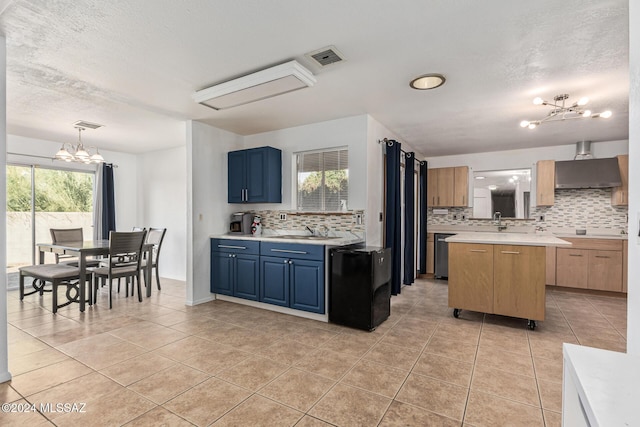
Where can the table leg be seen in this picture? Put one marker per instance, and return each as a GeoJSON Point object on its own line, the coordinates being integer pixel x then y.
{"type": "Point", "coordinates": [81, 281]}
{"type": "Point", "coordinates": [147, 280]}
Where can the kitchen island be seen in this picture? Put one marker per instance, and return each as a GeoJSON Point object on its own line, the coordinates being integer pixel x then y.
{"type": "Point", "coordinates": [499, 273]}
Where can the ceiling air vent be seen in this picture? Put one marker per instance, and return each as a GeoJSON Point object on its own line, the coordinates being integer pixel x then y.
{"type": "Point", "coordinates": [87, 125]}
{"type": "Point", "coordinates": [326, 56]}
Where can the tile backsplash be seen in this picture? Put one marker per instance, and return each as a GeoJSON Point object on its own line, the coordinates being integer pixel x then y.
{"type": "Point", "coordinates": [575, 208]}
{"type": "Point", "coordinates": [339, 221]}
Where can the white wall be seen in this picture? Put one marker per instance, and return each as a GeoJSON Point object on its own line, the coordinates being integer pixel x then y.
{"type": "Point", "coordinates": [37, 151]}
{"type": "Point", "coordinates": [633, 302]}
{"type": "Point", "coordinates": [207, 209]}
{"type": "Point", "coordinates": [162, 203]}
{"type": "Point", "coordinates": [348, 132]}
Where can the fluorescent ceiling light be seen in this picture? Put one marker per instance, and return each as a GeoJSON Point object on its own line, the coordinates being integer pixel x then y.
{"type": "Point", "coordinates": [263, 84]}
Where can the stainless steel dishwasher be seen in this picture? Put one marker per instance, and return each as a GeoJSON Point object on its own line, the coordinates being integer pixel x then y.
{"type": "Point", "coordinates": [441, 256]}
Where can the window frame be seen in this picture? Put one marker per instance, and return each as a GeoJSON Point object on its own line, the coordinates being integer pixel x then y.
{"type": "Point", "coordinates": [295, 183]}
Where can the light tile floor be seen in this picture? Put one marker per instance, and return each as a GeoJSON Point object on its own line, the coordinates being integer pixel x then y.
{"type": "Point", "coordinates": [160, 362]}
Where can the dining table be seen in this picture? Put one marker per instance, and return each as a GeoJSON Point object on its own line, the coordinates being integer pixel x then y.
{"type": "Point", "coordinates": [84, 249]}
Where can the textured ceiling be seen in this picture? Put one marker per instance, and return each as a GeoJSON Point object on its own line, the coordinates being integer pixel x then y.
{"type": "Point", "coordinates": [133, 66]}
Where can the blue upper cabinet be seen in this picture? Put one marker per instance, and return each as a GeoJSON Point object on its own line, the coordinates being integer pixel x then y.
{"type": "Point", "coordinates": [255, 176]}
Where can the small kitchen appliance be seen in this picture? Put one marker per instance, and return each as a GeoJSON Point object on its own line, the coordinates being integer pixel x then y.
{"type": "Point", "coordinates": [240, 223]}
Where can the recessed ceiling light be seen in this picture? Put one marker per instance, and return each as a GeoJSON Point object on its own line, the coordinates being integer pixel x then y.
{"type": "Point", "coordinates": [427, 81]}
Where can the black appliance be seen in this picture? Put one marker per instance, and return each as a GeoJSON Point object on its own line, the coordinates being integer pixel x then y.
{"type": "Point", "coordinates": [360, 286]}
{"type": "Point", "coordinates": [441, 263]}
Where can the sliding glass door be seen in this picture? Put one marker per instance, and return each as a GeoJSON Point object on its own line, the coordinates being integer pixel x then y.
{"type": "Point", "coordinates": [39, 199]}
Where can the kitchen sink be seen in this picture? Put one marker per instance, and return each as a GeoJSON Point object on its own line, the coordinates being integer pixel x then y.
{"type": "Point", "coordinates": [302, 237]}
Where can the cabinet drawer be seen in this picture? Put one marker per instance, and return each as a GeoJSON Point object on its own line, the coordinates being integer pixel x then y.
{"type": "Point", "coordinates": [235, 246]}
{"type": "Point", "coordinates": [599, 244]}
{"type": "Point", "coordinates": [292, 250]}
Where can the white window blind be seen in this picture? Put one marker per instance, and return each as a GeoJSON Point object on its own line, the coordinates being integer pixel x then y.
{"type": "Point", "coordinates": [323, 180]}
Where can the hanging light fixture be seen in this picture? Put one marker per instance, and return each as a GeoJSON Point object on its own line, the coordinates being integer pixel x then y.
{"type": "Point", "coordinates": [561, 111]}
{"type": "Point", "coordinates": [78, 153]}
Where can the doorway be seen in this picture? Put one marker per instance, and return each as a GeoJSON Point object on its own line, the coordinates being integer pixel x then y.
{"type": "Point", "coordinates": [41, 198]}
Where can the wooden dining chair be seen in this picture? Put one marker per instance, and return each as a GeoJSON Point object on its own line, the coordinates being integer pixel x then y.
{"type": "Point", "coordinates": [125, 260]}
{"type": "Point", "coordinates": [59, 235]}
{"type": "Point", "coordinates": [155, 236]}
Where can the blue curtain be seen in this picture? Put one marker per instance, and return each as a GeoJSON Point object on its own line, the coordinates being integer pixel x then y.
{"type": "Point", "coordinates": [392, 204]}
{"type": "Point", "coordinates": [108, 201]}
{"type": "Point", "coordinates": [409, 228]}
{"type": "Point", "coordinates": [422, 209]}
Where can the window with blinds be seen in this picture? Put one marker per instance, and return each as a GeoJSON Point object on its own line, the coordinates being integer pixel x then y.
{"type": "Point", "coordinates": [323, 180]}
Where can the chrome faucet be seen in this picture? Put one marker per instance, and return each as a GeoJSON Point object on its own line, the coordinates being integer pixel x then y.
{"type": "Point", "coordinates": [497, 220]}
{"type": "Point", "coordinates": [326, 230]}
{"type": "Point", "coordinates": [313, 232]}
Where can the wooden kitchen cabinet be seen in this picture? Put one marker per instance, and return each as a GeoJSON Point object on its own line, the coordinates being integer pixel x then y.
{"type": "Point", "coordinates": [545, 182]}
{"type": "Point", "coordinates": [448, 187]}
{"type": "Point", "coordinates": [551, 265]}
{"type": "Point", "coordinates": [596, 264]}
{"type": "Point", "coordinates": [461, 186]}
{"type": "Point", "coordinates": [471, 276]}
{"type": "Point", "coordinates": [518, 284]}
{"type": "Point", "coordinates": [625, 255]}
{"type": "Point", "coordinates": [605, 270]}
{"type": "Point", "coordinates": [498, 279]}
{"type": "Point", "coordinates": [620, 195]}
{"type": "Point", "coordinates": [430, 253]}
{"type": "Point", "coordinates": [572, 268]}
{"type": "Point", "coordinates": [235, 268]}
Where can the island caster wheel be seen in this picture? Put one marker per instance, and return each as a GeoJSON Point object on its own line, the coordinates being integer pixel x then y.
{"type": "Point", "coordinates": [531, 324]}
{"type": "Point", "coordinates": [456, 312]}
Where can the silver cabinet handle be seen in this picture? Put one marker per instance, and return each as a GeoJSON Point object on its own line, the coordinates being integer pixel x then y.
{"type": "Point", "coordinates": [232, 247]}
{"type": "Point", "coordinates": [286, 261]}
{"type": "Point", "coordinates": [289, 251]}
{"type": "Point", "coordinates": [290, 262]}
{"type": "Point", "coordinates": [602, 256]}
{"type": "Point", "coordinates": [478, 250]}
{"type": "Point", "coordinates": [575, 255]}
{"type": "Point", "coordinates": [510, 252]}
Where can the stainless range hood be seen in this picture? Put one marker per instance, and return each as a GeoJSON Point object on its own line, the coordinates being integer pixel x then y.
{"type": "Point", "coordinates": [588, 173]}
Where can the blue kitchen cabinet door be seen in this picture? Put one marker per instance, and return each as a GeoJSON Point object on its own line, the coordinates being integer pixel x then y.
{"type": "Point", "coordinates": [307, 285]}
{"type": "Point", "coordinates": [274, 280]}
{"type": "Point", "coordinates": [236, 163]}
{"type": "Point", "coordinates": [255, 175]}
{"type": "Point", "coordinates": [247, 273]}
{"type": "Point", "coordinates": [222, 266]}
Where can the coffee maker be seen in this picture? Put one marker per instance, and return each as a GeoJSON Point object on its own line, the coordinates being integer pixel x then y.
{"type": "Point", "coordinates": [240, 223]}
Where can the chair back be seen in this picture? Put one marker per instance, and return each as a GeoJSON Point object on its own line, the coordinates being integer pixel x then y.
{"type": "Point", "coordinates": [125, 248]}
{"type": "Point", "coordinates": [66, 235]}
{"type": "Point", "coordinates": [138, 229]}
{"type": "Point", "coordinates": [155, 237]}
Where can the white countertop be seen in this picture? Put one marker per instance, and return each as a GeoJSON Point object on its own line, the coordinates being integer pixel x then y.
{"type": "Point", "coordinates": [520, 239]}
{"type": "Point", "coordinates": [334, 241]}
{"type": "Point", "coordinates": [601, 233]}
{"type": "Point", "coordinates": [607, 384]}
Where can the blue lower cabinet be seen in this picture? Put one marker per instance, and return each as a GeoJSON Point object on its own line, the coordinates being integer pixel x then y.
{"type": "Point", "coordinates": [235, 268]}
{"type": "Point", "coordinates": [306, 285]}
{"type": "Point", "coordinates": [247, 273]}
{"type": "Point", "coordinates": [274, 280]}
{"type": "Point", "coordinates": [221, 273]}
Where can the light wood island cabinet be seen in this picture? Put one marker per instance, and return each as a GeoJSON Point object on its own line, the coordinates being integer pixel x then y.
{"type": "Point", "coordinates": [499, 273]}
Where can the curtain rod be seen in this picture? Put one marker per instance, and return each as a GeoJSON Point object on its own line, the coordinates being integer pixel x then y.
{"type": "Point", "coordinates": [43, 157]}
{"type": "Point", "coordinates": [386, 141]}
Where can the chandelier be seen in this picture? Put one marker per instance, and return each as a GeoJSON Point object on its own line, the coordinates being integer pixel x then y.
{"type": "Point", "coordinates": [560, 111]}
{"type": "Point", "coordinates": [78, 153]}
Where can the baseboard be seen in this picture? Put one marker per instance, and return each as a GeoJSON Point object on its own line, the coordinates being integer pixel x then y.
{"type": "Point", "coordinates": [201, 300]}
{"type": "Point", "coordinates": [277, 308]}
{"type": "Point", "coordinates": [5, 376]}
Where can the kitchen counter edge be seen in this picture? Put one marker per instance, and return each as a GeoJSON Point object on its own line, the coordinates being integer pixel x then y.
{"type": "Point", "coordinates": [517, 239]}
{"type": "Point", "coordinates": [271, 238]}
